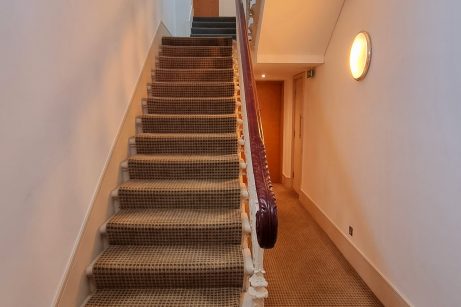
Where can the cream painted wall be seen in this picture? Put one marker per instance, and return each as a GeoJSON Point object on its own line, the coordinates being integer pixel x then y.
{"type": "Point", "coordinates": [384, 154]}
{"type": "Point", "coordinates": [227, 7]}
{"type": "Point", "coordinates": [68, 71]}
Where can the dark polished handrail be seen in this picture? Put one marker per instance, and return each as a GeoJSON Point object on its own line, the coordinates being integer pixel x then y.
{"type": "Point", "coordinates": [266, 216]}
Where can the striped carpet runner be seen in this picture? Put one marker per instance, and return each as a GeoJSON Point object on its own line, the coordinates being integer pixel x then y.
{"type": "Point", "coordinates": [176, 239]}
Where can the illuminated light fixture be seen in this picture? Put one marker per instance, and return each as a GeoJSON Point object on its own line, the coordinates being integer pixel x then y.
{"type": "Point", "coordinates": [360, 57]}
{"type": "Point", "coordinates": [263, 76]}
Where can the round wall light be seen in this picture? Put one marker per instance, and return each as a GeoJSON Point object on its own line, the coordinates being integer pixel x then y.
{"type": "Point", "coordinates": [360, 57]}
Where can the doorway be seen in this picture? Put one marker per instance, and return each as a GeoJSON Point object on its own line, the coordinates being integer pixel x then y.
{"type": "Point", "coordinates": [270, 98]}
{"type": "Point", "coordinates": [297, 150]}
{"type": "Point", "coordinates": [206, 8]}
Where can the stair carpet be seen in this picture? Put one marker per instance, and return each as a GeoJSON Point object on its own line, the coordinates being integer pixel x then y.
{"type": "Point", "coordinates": [177, 237]}
{"type": "Point", "coordinates": [214, 26]}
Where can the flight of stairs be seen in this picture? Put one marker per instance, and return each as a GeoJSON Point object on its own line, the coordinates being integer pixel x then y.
{"type": "Point", "coordinates": [176, 238]}
{"type": "Point", "coordinates": [214, 26]}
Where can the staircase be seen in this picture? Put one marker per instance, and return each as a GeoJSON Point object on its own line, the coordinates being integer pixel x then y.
{"type": "Point", "coordinates": [214, 26]}
{"type": "Point", "coordinates": [176, 237]}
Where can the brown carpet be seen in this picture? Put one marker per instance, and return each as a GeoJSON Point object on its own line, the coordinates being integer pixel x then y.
{"type": "Point", "coordinates": [176, 237]}
{"type": "Point", "coordinates": [305, 268]}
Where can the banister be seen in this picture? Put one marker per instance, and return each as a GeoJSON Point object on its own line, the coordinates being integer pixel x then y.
{"type": "Point", "coordinates": [266, 216]}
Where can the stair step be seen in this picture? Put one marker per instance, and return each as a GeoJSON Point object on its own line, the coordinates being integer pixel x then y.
{"type": "Point", "coordinates": [196, 51]}
{"type": "Point", "coordinates": [232, 36]}
{"type": "Point", "coordinates": [186, 105]}
{"type": "Point", "coordinates": [213, 24]}
{"type": "Point", "coordinates": [158, 167]}
{"type": "Point", "coordinates": [187, 143]}
{"type": "Point", "coordinates": [151, 266]}
{"type": "Point", "coordinates": [192, 89]}
{"type": "Point", "coordinates": [216, 19]}
{"type": "Point", "coordinates": [184, 75]}
{"type": "Point", "coordinates": [175, 226]}
{"type": "Point", "coordinates": [178, 297]}
{"type": "Point", "coordinates": [216, 31]}
{"type": "Point", "coordinates": [190, 41]}
{"type": "Point", "coordinates": [188, 123]}
{"type": "Point", "coordinates": [202, 63]}
{"type": "Point", "coordinates": [192, 194]}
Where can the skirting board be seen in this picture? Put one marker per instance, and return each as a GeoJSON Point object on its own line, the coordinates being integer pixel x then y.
{"type": "Point", "coordinates": [75, 287]}
{"type": "Point", "coordinates": [287, 182]}
{"type": "Point", "coordinates": [382, 287]}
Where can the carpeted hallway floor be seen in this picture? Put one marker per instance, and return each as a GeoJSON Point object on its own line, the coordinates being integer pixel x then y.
{"type": "Point", "coordinates": [305, 268]}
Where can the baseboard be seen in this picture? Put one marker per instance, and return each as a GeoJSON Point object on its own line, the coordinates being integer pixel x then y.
{"type": "Point", "coordinates": [74, 287]}
{"type": "Point", "coordinates": [380, 285]}
{"type": "Point", "coordinates": [287, 182]}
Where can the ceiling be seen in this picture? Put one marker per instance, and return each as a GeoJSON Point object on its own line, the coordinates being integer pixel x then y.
{"type": "Point", "coordinates": [295, 31]}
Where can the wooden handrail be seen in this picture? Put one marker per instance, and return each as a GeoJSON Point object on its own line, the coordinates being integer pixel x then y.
{"type": "Point", "coordinates": [266, 216]}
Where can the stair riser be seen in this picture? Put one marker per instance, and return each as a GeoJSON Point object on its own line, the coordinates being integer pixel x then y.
{"type": "Point", "coordinates": [175, 75]}
{"type": "Point", "coordinates": [186, 146]}
{"type": "Point", "coordinates": [211, 24]}
{"type": "Point", "coordinates": [215, 19]}
{"type": "Point", "coordinates": [216, 31]}
{"type": "Point", "coordinates": [164, 106]}
{"type": "Point", "coordinates": [183, 170]}
{"type": "Point", "coordinates": [192, 90]}
{"type": "Point", "coordinates": [119, 279]}
{"type": "Point", "coordinates": [184, 125]}
{"type": "Point", "coordinates": [214, 35]}
{"type": "Point", "coordinates": [195, 63]}
{"type": "Point", "coordinates": [228, 297]}
{"type": "Point", "coordinates": [129, 199]}
{"type": "Point", "coordinates": [140, 235]}
{"type": "Point", "coordinates": [183, 51]}
{"type": "Point", "coordinates": [187, 41]}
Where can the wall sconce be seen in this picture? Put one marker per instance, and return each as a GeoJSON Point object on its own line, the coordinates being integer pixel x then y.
{"type": "Point", "coordinates": [360, 56]}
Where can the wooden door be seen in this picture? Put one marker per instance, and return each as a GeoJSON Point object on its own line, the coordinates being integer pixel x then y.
{"type": "Point", "coordinates": [206, 8]}
{"type": "Point", "coordinates": [270, 97]}
{"type": "Point", "coordinates": [298, 99]}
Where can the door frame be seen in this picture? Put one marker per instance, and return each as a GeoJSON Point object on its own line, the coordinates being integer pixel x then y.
{"type": "Point", "coordinates": [296, 77]}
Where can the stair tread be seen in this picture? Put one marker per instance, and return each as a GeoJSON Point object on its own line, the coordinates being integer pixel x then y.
{"type": "Point", "coordinates": [183, 158]}
{"type": "Point", "coordinates": [180, 297]}
{"type": "Point", "coordinates": [190, 105]}
{"type": "Point", "coordinates": [196, 41]}
{"type": "Point", "coordinates": [215, 18]}
{"type": "Point", "coordinates": [190, 62]}
{"type": "Point", "coordinates": [190, 83]}
{"type": "Point", "coordinates": [195, 58]}
{"type": "Point", "coordinates": [167, 226]}
{"type": "Point", "coordinates": [188, 116]}
{"type": "Point", "coordinates": [232, 99]}
{"type": "Point", "coordinates": [213, 35]}
{"type": "Point", "coordinates": [214, 24]}
{"type": "Point", "coordinates": [175, 218]}
{"type": "Point", "coordinates": [188, 135]}
{"type": "Point", "coordinates": [181, 185]}
{"type": "Point", "coordinates": [164, 266]}
{"type": "Point", "coordinates": [169, 257]}
{"type": "Point", "coordinates": [214, 28]}
{"type": "Point", "coordinates": [197, 47]}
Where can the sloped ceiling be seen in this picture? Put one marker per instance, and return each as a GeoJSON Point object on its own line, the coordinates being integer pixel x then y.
{"type": "Point", "coordinates": [295, 31]}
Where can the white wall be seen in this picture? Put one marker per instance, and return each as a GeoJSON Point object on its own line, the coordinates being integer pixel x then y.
{"type": "Point", "coordinates": [227, 7]}
{"type": "Point", "coordinates": [183, 16]}
{"type": "Point", "coordinates": [384, 154]}
{"type": "Point", "coordinates": [68, 70]}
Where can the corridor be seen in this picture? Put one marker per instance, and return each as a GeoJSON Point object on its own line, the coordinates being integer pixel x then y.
{"type": "Point", "coordinates": [305, 268]}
